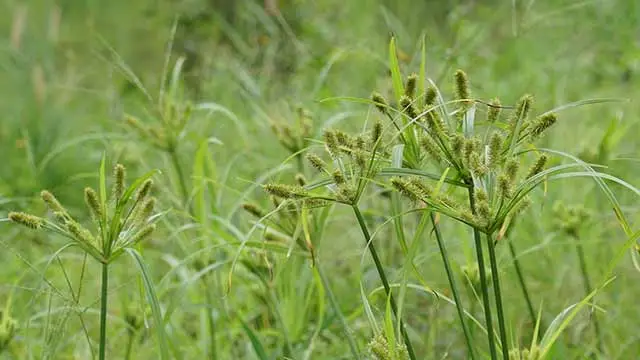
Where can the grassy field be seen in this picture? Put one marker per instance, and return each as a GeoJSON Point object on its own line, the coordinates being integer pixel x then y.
{"type": "Point", "coordinates": [291, 214]}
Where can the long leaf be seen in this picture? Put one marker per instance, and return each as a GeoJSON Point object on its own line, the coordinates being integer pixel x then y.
{"type": "Point", "coordinates": [153, 302]}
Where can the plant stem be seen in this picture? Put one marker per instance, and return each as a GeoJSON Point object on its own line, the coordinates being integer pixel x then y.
{"type": "Point", "coordinates": [454, 287]}
{"type": "Point", "coordinates": [483, 283]}
{"type": "Point", "coordinates": [103, 311]}
{"type": "Point", "coordinates": [523, 285]}
{"type": "Point", "coordinates": [132, 335]}
{"type": "Point", "coordinates": [588, 289]}
{"type": "Point", "coordinates": [213, 353]}
{"type": "Point", "coordinates": [353, 346]}
{"type": "Point", "coordinates": [173, 154]}
{"type": "Point", "coordinates": [383, 278]}
{"type": "Point", "coordinates": [498, 297]}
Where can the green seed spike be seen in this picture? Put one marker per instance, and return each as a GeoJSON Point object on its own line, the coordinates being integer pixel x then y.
{"type": "Point", "coordinates": [462, 86]}
{"type": "Point", "coordinates": [286, 191]}
{"type": "Point", "coordinates": [146, 209]}
{"type": "Point", "coordinates": [432, 149]}
{"type": "Point", "coordinates": [380, 102]}
{"type": "Point", "coordinates": [537, 167]}
{"type": "Point", "coordinates": [511, 168]}
{"type": "Point", "coordinates": [494, 111]}
{"type": "Point", "coordinates": [80, 233]}
{"type": "Point", "coordinates": [144, 190]}
{"type": "Point", "coordinates": [541, 124]}
{"type": "Point", "coordinates": [521, 112]}
{"type": "Point", "coordinates": [410, 86]}
{"type": "Point", "coordinates": [344, 140]}
{"type": "Point", "coordinates": [505, 185]}
{"type": "Point", "coordinates": [254, 210]}
{"type": "Point", "coordinates": [52, 203]}
{"type": "Point", "coordinates": [338, 177]}
{"type": "Point", "coordinates": [376, 133]}
{"type": "Point", "coordinates": [92, 202]}
{"type": "Point", "coordinates": [300, 179]}
{"type": "Point", "coordinates": [143, 234]}
{"type": "Point", "coordinates": [419, 187]}
{"type": "Point", "coordinates": [494, 150]}
{"type": "Point", "coordinates": [346, 194]}
{"type": "Point", "coordinates": [28, 220]}
{"type": "Point", "coordinates": [430, 96]}
{"type": "Point", "coordinates": [408, 108]}
{"type": "Point", "coordinates": [403, 187]}
{"type": "Point", "coordinates": [119, 174]}
{"type": "Point", "coordinates": [331, 143]}
{"type": "Point", "coordinates": [135, 123]}
{"type": "Point", "coordinates": [457, 145]}
{"type": "Point", "coordinates": [317, 162]}
{"type": "Point", "coordinates": [476, 165]}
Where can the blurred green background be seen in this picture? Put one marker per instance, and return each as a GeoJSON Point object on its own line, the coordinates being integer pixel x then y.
{"type": "Point", "coordinates": [70, 69]}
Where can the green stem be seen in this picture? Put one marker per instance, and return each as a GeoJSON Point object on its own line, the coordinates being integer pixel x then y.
{"type": "Point", "coordinates": [353, 346]}
{"type": "Point", "coordinates": [498, 297]}
{"type": "Point", "coordinates": [132, 335]}
{"type": "Point", "coordinates": [454, 287]}
{"type": "Point", "coordinates": [180, 173]}
{"type": "Point", "coordinates": [483, 283]}
{"type": "Point", "coordinates": [523, 285]}
{"type": "Point", "coordinates": [588, 289]}
{"type": "Point", "coordinates": [213, 353]}
{"type": "Point", "coordinates": [383, 278]}
{"type": "Point", "coordinates": [103, 311]}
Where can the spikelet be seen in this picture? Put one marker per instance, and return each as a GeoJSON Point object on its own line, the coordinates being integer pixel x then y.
{"type": "Point", "coordinates": [144, 190]}
{"type": "Point", "coordinates": [254, 210]}
{"type": "Point", "coordinates": [493, 152]}
{"type": "Point", "coordinates": [410, 86]}
{"type": "Point", "coordinates": [28, 220]}
{"type": "Point", "coordinates": [430, 96]}
{"type": "Point", "coordinates": [119, 174]}
{"type": "Point", "coordinates": [53, 204]}
{"type": "Point", "coordinates": [407, 106]}
{"type": "Point", "coordinates": [286, 191]}
{"type": "Point", "coordinates": [494, 111]}
{"type": "Point", "coordinates": [317, 162]}
{"type": "Point", "coordinates": [380, 102]}
{"type": "Point", "coordinates": [537, 167]}
{"type": "Point", "coordinates": [541, 124]}
{"type": "Point", "coordinates": [93, 204]}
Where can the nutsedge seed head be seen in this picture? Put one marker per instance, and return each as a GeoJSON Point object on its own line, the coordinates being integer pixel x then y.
{"type": "Point", "coordinates": [80, 233]}
{"type": "Point", "coordinates": [419, 187]}
{"type": "Point", "coordinates": [143, 234]}
{"type": "Point", "coordinates": [28, 220]}
{"type": "Point", "coordinates": [331, 143]}
{"type": "Point", "coordinates": [346, 194]}
{"type": "Point", "coordinates": [511, 168]}
{"type": "Point", "coordinates": [52, 203]}
{"type": "Point", "coordinates": [462, 85]}
{"type": "Point", "coordinates": [119, 174]}
{"type": "Point", "coordinates": [541, 124]}
{"type": "Point", "coordinates": [522, 108]}
{"type": "Point", "coordinates": [537, 167]}
{"type": "Point", "coordinates": [91, 199]}
{"type": "Point", "coordinates": [431, 148]}
{"type": "Point", "coordinates": [404, 188]}
{"type": "Point", "coordinates": [300, 179]}
{"type": "Point", "coordinates": [338, 177]}
{"type": "Point", "coordinates": [493, 112]}
{"type": "Point", "coordinates": [430, 96]}
{"type": "Point", "coordinates": [410, 87]}
{"type": "Point", "coordinates": [144, 189]}
{"type": "Point", "coordinates": [376, 133]}
{"type": "Point", "coordinates": [146, 209]}
{"type": "Point", "coordinates": [408, 108]}
{"type": "Point", "coordinates": [316, 162]}
{"type": "Point", "coordinates": [493, 154]}
{"type": "Point", "coordinates": [476, 165]}
{"type": "Point", "coordinates": [504, 185]}
{"type": "Point", "coordinates": [380, 102]}
{"type": "Point", "coordinates": [286, 191]}
{"type": "Point", "coordinates": [457, 143]}
{"type": "Point", "coordinates": [254, 210]}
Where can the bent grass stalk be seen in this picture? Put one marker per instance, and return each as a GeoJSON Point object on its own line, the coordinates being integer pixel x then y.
{"type": "Point", "coordinates": [383, 278]}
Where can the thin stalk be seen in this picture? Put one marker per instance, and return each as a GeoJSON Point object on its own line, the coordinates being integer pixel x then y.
{"type": "Point", "coordinates": [132, 335]}
{"type": "Point", "coordinates": [383, 278]}
{"type": "Point", "coordinates": [103, 311]}
{"type": "Point", "coordinates": [353, 346]}
{"type": "Point", "coordinates": [498, 297]}
{"type": "Point", "coordinates": [588, 289]}
{"type": "Point", "coordinates": [483, 284]}
{"type": "Point", "coordinates": [454, 287]}
{"type": "Point", "coordinates": [173, 154]}
{"type": "Point", "coordinates": [213, 353]}
{"type": "Point", "coordinates": [523, 285]}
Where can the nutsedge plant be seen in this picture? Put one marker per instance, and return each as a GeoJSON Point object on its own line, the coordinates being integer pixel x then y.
{"type": "Point", "coordinates": [122, 219]}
